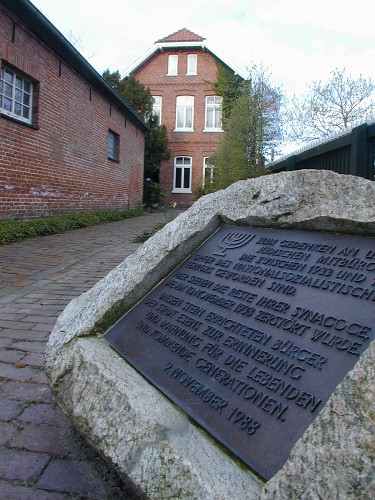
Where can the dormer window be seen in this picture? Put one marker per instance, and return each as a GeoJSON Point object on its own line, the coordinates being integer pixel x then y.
{"type": "Point", "coordinates": [172, 65]}
{"type": "Point", "coordinates": [191, 64]}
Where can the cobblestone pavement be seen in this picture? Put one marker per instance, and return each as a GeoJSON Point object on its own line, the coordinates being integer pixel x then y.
{"type": "Point", "coordinates": [42, 456]}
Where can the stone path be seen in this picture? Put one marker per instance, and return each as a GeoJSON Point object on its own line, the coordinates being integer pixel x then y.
{"type": "Point", "coordinates": [42, 456]}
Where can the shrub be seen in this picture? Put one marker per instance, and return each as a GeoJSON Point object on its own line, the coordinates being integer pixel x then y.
{"type": "Point", "coordinates": [153, 193]}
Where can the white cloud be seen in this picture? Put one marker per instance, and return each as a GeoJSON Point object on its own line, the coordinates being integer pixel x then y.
{"type": "Point", "coordinates": [300, 40]}
{"type": "Point", "coordinates": [341, 16]}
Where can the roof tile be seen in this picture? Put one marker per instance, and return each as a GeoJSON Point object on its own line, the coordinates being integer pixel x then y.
{"type": "Point", "coordinates": [183, 35]}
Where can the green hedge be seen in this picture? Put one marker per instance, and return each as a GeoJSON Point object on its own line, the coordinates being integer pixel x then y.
{"type": "Point", "coordinates": [11, 231]}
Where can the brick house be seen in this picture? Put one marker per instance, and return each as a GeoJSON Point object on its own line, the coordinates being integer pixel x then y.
{"type": "Point", "coordinates": [180, 70]}
{"type": "Point", "coordinates": [68, 142]}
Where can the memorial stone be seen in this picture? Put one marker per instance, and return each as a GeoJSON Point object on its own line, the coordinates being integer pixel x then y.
{"type": "Point", "coordinates": [253, 332]}
{"type": "Point", "coordinates": [253, 313]}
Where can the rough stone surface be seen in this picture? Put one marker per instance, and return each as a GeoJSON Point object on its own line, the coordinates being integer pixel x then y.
{"type": "Point", "coordinates": [335, 457]}
{"type": "Point", "coordinates": [150, 441]}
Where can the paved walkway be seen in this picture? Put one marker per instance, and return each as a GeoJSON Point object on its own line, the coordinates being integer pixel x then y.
{"type": "Point", "coordinates": [42, 456]}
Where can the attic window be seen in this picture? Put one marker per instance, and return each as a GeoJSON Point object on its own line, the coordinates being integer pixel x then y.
{"type": "Point", "coordinates": [172, 65]}
{"type": "Point", "coordinates": [191, 64]}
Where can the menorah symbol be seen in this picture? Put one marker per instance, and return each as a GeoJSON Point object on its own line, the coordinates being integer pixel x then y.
{"type": "Point", "coordinates": [233, 240]}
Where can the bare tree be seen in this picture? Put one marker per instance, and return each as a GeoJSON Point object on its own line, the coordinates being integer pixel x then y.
{"type": "Point", "coordinates": [74, 40]}
{"type": "Point", "coordinates": [78, 44]}
{"type": "Point", "coordinates": [331, 106]}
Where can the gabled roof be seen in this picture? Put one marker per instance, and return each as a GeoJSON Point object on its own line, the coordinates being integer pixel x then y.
{"type": "Point", "coordinates": [51, 36]}
{"type": "Point", "coordinates": [183, 38]}
{"type": "Point", "coordinates": [183, 35]}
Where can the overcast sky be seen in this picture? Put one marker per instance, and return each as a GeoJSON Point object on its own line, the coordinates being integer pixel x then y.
{"type": "Point", "coordinates": [299, 40]}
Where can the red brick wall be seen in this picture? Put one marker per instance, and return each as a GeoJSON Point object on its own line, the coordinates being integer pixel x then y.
{"type": "Point", "coordinates": [197, 144]}
{"type": "Point", "coordinates": [61, 165]}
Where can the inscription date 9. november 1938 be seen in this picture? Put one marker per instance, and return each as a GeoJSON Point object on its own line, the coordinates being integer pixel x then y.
{"type": "Point", "coordinates": [253, 332]}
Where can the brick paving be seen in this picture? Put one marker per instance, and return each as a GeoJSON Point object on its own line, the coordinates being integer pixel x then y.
{"type": "Point", "coordinates": [42, 456]}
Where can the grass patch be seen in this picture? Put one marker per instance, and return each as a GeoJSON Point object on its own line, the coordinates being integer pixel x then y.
{"type": "Point", "coordinates": [147, 234]}
{"type": "Point", "coordinates": [11, 231]}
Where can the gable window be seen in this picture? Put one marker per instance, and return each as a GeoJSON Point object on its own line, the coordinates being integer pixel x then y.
{"type": "Point", "coordinates": [208, 173]}
{"type": "Point", "coordinates": [214, 105]}
{"type": "Point", "coordinates": [191, 64]}
{"type": "Point", "coordinates": [113, 145]}
{"type": "Point", "coordinates": [156, 107]}
{"type": "Point", "coordinates": [172, 65]}
{"type": "Point", "coordinates": [182, 174]}
{"type": "Point", "coordinates": [16, 95]}
{"type": "Point", "coordinates": [184, 113]}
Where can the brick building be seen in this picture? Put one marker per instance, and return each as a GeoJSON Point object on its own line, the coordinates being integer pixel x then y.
{"type": "Point", "coordinates": [180, 70]}
{"type": "Point", "coordinates": [68, 142]}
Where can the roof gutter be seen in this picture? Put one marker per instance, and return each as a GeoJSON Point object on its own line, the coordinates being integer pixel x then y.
{"type": "Point", "coordinates": [51, 36]}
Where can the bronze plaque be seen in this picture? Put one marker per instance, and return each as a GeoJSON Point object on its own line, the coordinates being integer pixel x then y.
{"type": "Point", "coordinates": [253, 332]}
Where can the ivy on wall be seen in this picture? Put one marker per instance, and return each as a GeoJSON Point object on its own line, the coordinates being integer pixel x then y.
{"type": "Point", "coordinates": [229, 86]}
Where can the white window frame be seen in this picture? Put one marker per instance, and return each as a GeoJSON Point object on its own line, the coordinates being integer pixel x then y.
{"type": "Point", "coordinates": [191, 64]}
{"type": "Point", "coordinates": [217, 107]}
{"type": "Point", "coordinates": [172, 65]}
{"type": "Point", "coordinates": [157, 106]}
{"type": "Point", "coordinates": [183, 163]}
{"type": "Point", "coordinates": [210, 167]}
{"type": "Point", "coordinates": [184, 103]}
{"type": "Point", "coordinates": [17, 94]}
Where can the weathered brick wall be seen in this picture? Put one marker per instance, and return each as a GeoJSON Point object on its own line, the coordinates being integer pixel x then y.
{"type": "Point", "coordinates": [197, 144]}
{"type": "Point", "coordinates": [61, 165]}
